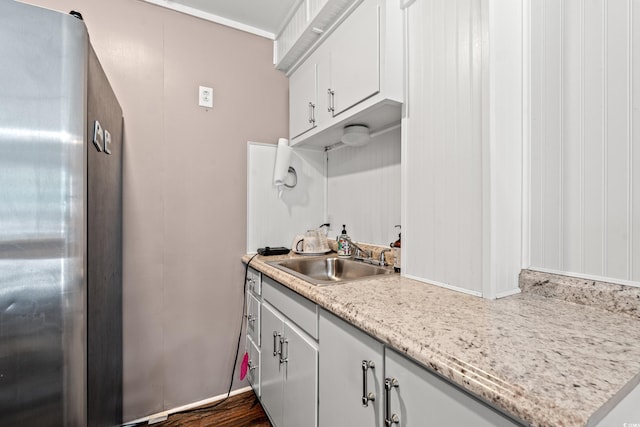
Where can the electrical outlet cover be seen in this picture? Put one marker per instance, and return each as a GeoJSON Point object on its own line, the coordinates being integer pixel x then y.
{"type": "Point", "coordinates": [205, 97]}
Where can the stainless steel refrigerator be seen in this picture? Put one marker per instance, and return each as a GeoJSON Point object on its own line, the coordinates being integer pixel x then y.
{"type": "Point", "coordinates": [60, 225]}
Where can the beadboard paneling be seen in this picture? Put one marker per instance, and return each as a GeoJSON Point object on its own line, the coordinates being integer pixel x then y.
{"type": "Point", "coordinates": [364, 189]}
{"type": "Point", "coordinates": [634, 158]}
{"type": "Point", "coordinates": [585, 213]}
{"type": "Point", "coordinates": [443, 165]}
{"type": "Point", "coordinates": [294, 29]}
{"type": "Point", "coordinates": [315, 6]}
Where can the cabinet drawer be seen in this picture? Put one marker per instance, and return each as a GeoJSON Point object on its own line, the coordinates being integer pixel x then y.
{"type": "Point", "coordinates": [254, 281]}
{"type": "Point", "coordinates": [253, 318]}
{"type": "Point", "coordinates": [253, 373]}
{"type": "Point", "coordinates": [300, 310]}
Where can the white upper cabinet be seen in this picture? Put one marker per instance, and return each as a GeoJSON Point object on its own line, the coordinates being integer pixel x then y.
{"type": "Point", "coordinates": [355, 59]}
{"type": "Point", "coordinates": [303, 99]}
{"type": "Point", "coordinates": [358, 76]}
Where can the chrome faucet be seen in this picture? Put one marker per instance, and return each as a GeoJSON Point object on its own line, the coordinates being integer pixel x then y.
{"type": "Point", "coordinates": [382, 259]}
{"type": "Point", "coordinates": [367, 257]}
{"type": "Point", "coordinates": [357, 254]}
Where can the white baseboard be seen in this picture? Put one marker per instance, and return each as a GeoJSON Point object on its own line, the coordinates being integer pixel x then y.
{"type": "Point", "coordinates": [161, 416]}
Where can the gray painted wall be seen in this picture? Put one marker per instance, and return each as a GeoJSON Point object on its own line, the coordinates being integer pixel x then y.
{"type": "Point", "coordinates": [184, 188]}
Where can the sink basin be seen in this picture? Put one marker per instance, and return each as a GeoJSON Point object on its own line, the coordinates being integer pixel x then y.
{"type": "Point", "coordinates": [327, 271]}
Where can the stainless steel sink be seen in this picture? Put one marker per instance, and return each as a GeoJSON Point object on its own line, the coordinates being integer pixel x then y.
{"type": "Point", "coordinates": [327, 271]}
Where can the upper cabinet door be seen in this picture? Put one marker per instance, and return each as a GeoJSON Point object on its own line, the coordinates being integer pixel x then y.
{"type": "Point", "coordinates": [355, 58]}
{"type": "Point", "coordinates": [303, 99]}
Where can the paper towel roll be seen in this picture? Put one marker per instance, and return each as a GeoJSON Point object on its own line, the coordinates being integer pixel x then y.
{"type": "Point", "coordinates": [283, 159]}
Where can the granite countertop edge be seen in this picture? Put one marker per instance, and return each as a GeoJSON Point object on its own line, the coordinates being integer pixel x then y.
{"type": "Point", "coordinates": [510, 397]}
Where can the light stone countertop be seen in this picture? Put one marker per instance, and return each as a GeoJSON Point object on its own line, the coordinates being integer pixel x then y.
{"type": "Point", "coordinates": [546, 361]}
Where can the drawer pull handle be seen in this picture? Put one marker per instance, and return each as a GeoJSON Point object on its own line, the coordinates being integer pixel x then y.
{"type": "Point", "coordinates": [330, 101]}
{"type": "Point", "coordinates": [312, 115]}
{"type": "Point", "coordinates": [275, 343]}
{"type": "Point", "coordinates": [366, 395]}
{"type": "Point", "coordinates": [284, 357]}
{"type": "Point", "coordinates": [389, 383]}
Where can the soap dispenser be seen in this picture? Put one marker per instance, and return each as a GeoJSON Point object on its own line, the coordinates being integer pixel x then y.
{"type": "Point", "coordinates": [344, 243]}
{"type": "Point", "coordinates": [396, 252]}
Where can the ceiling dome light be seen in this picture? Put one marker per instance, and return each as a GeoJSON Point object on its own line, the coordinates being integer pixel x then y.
{"type": "Point", "coordinates": [355, 135]}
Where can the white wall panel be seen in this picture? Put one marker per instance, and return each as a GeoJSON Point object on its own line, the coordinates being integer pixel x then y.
{"type": "Point", "coordinates": [274, 221]}
{"type": "Point", "coordinates": [502, 198]}
{"type": "Point", "coordinates": [634, 149]}
{"type": "Point", "coordinates": [364, 189]}
{"type": "Point", "coordinates": [443, 168]}
{"type": "Point", "coordinates": [592, 146]}
{"type": "Point", "coordinates": [463, 145]}
{"type": "Point", "coordinates": [552, 143]}
{"type": "Point", "coordinates": [572, 133]}
{"type": "Point", "coordinates": [616, 137]}
{"type": "Point", "coordinates": [536, 153]}
{"type": "Point", "coordinates": [584, 211]}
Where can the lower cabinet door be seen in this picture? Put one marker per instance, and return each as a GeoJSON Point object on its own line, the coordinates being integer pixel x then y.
{"type": "Point", "coordinates": [272, 369]}
{"type": "Point", "coordinates": [301, 380]}
{"type": "Point", "coordinates": [419, 398]}
{"type": "Point", "coordinates": [342, 379]}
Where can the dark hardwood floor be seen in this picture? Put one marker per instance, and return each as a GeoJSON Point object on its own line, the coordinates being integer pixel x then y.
{"type": "Point", "coordinates": [243, 410]}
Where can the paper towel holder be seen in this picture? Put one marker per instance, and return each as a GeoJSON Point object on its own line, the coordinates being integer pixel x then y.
{"type": "Point", "coordinates": [292, 171]}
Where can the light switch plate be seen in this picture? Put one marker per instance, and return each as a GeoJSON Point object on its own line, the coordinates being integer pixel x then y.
{"type": "Point", "coordinates": [205, 98]}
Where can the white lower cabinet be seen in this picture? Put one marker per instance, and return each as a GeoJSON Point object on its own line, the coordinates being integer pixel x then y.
{"type": "Point", "coordinates": [289, 391]}
{"type": "Point", "coordinates": [356, 369]}
{"type": "Point", "coordinates": [318, 370]}
{"type": "Point", "coordinates": [416, 398]}
{"type": "Point", "coordinates": [350, 375]}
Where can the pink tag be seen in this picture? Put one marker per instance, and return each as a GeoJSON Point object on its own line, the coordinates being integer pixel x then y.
{"type": "Point", "coordinates": [244, 366]}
